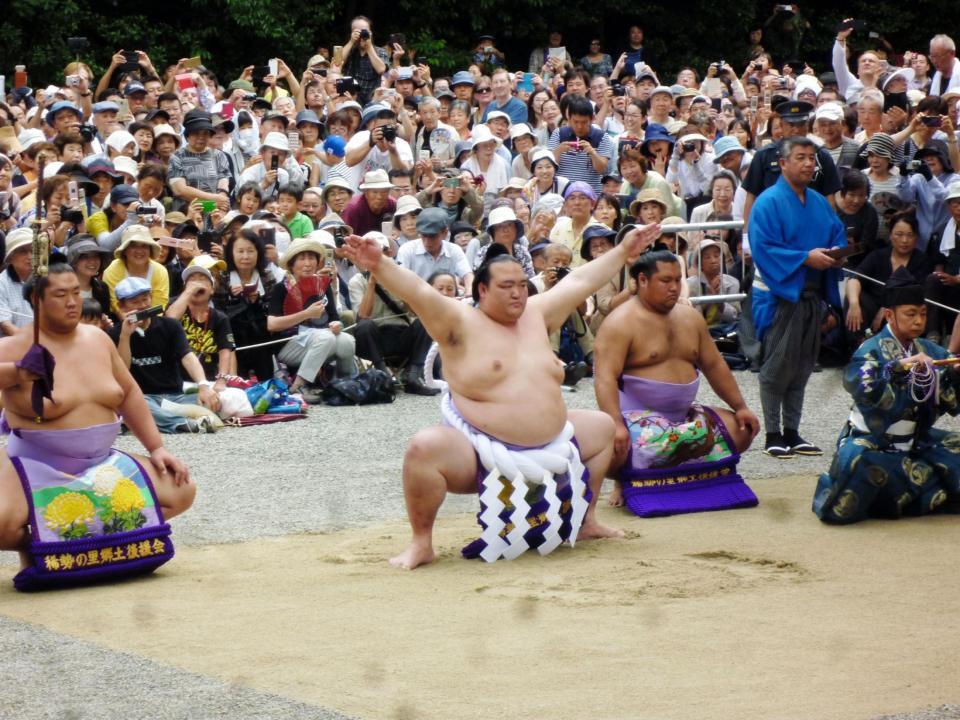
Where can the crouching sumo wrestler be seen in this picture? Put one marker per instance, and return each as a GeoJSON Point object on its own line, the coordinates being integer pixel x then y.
{"type": "Point", "coordinates": [507, 433]}
{"type": "Point", "coordinates": [74, 508]}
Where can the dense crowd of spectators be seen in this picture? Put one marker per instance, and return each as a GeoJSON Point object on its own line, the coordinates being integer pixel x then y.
{"type": "Point", "coordinates": [228, 200]}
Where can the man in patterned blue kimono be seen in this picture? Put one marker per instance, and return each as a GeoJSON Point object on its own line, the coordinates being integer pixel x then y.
{"type": "Point", "coordinates": [890, 459]}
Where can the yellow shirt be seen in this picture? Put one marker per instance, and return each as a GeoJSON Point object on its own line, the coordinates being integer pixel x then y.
{"type": "Point", "coordinates": [98, 223]}
{"type": "Point", "coordinates": [562, 233]}
{"type": "Point", "coordinates": [156, 276]}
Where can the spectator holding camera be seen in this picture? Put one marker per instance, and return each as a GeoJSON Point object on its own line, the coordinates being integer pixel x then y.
{"type": "Point", "coordinates": [925, 185]}
{"type": "Point", "coordinates": [109, 224]}
{"type": "Point", "coordinates": [155, 350]}
{"type": "Point", "coordinates": [456, 195]}
{"type": "Point", "coordinates": [268, 172]}
{"type": "Point", "coordinates": [583, 151]}
{"type": "Point", "coordinates": [377, 147]}
{"type": "Point", "coordinates": [573, 341]}
{"type": "Point", "coordinates": [362, 60]}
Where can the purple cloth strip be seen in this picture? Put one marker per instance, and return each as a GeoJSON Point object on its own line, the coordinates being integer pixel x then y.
{"type": "Point", "coordinates": [69, 451]}
{"type": "Point", "coordinates": [40, 362]}
{"type": "Point", "coordinates": [672, 400]}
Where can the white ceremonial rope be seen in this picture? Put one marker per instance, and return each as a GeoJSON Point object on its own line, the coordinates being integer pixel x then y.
{"type": "Point", "coordinates": [429, 379]}
{"type": "Point", "coordinates": [551, 536]}
{"type": "Point", "coordinates": [494, 525]}
{"type": "Point", "coordinates": [537, 466]}
{"type": "Point", "coordinates": [518, 545]}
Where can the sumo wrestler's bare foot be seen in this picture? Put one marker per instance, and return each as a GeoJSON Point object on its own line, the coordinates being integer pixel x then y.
{"type": "Point", "coordinates": [417, 553]}
{"type": "Point", "coordinates": [616, 496]}
{"type": "Point", "coordinates": [593, 530]}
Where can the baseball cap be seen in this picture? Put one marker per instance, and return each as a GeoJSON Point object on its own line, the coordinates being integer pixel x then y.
{"type": "Point", "coordinates": [432, 220]}
{"type": "Point", "coordinates": [62, 105]}
{"type": "Point", "coordinates": [830, 111]}
{"type": "Point", "coordinates": [133, 87]}
{"type": "Point", "coordinates": [462, 77]}
{"type": "Point", "coordinates": [131, 287]}
{"type": "Point", "coordinates": [123, 194]}
{"type": "Point", "coordinates": [104, 106]}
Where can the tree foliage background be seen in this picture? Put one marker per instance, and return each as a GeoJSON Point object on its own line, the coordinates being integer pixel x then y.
{"type": "Point", "coordinates": [230, 34]}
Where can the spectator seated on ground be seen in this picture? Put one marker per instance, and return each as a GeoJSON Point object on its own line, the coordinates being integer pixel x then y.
{"type": "Point", "coordinates": [711, 280]}
{"type": "Point", "coordinates": [207, 329]}
{"type": "Point", "coordinates": [137, 257]}
{"type": "Point", "coordinates": [386, 331]}
{"type": "Point", "coordinates": [242, 293]}
{"type": "Point", "coordinates": [156, 352]}
{"type": "Point", "coordinates": [303, 308]}
{"type": "Point", "coordinates": [573, 342]}
{"type": "Point", "coordinates": [433, 252]}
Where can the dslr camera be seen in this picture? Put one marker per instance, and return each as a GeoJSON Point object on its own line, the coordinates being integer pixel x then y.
{"type": "Point", "coordinates": [689, 147]}
{"type": "Point", "coordinates": [561, 272]}
{"type": "Point", "coordinates": [72, 216]}
{"type": "Point", "coordinates": [364, 34]}
{"type": "Point", "coordinates": [345, 85]}
{"type": "Point", "coordinates": [619, 90]}
{"type": "Point", "coordinates": [389, 132]}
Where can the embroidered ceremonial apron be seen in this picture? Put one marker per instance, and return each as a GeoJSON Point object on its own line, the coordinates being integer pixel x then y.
{"type": "Point", "coordinates": [93, 511]}
{"type": "Point", "coordinates": [681, 459]}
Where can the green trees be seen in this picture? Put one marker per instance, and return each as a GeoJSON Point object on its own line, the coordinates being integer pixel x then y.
{"type": "Point", "coordinates": [232, 33]}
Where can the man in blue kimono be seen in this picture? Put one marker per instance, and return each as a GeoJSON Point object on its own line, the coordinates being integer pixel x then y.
{"type": "Point", "coordinates": [890, 459]}
{"type": "Point", "coordinates": [794, 236]}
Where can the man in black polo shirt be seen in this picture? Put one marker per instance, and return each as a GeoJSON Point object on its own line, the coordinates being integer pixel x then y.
{"type": "Point", "coordinates": [154, 350]}
{"type": "Point", "coordinates": [765, 167]}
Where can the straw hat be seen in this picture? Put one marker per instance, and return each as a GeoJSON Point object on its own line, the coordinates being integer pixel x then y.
{"type": "Point", "coordinates": [301, 245]}
{"type": "Point", "coordinates": [137, 234]}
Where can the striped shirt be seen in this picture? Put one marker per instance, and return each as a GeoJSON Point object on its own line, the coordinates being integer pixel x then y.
{"type": "Point", "coordinates": [578, 165]}
{"type": "Point", "coordinates": [202, 171]}
{"type": "Point", "coordinates": [11, 298]}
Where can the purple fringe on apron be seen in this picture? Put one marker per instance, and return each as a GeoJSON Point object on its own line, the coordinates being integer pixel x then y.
{"type": "Point", "coordinates": [94, 514]}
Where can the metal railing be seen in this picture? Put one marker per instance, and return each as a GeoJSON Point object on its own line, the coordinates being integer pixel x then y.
{"type": "Point", "coordinates": [697, 227]}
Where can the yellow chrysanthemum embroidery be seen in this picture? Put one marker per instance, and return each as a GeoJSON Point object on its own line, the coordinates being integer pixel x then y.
{"type": "Point", "coordinates": [67, 509]}
{"type": "Point", "coordinates": [126, 496]}
{"type": "Point", "coordinates": [105, 479]}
